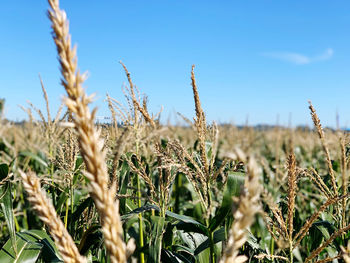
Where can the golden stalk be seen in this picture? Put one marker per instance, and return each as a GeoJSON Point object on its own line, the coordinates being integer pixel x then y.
{"type": "Point", "coordinates": [318, 250]}
{"type": "Point", "coordinates": [244, 216]}
{"type": "Point", "coordinates": [344, 178]}
{"type": "Point", "coordinates": [318, 126]}
{"type": "Point", "coordinates": [305, 228]}
{"type": "Point", "coordinates": [89, 138]}
{"type": "Point", "coordinates": [328, 259]}
{"type": "Point", "coordinates": [46, 101]}
{"type": "Point", "coordinates": [48, 215]}
{"type": "Point", "coordinates": [200, 124]}
{"type": "Point", "coordinates": [292, 184]}
{"type": "Point", "coordinates": [136, 103]}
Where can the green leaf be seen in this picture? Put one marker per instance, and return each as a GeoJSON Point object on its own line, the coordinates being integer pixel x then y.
{"type": "Point", "coordinates": [168, 235]}
{"type": "Point", "coordinates": [325, 227]}
{"type": "Point", "coordinates": [91, 237]}
{"type": "Point", "coordinates": [78, 163]}
{"type": "Point", "coordinates": [209, 150]}
{"type": "Point", "coordinates": [61, 201]}
{"type": "Point", "coordinates": [155, 245]}
{"type": "Point", "coordinates": [188, 223]}
{"type": "Point", "coordinates": [28, 252]}
{"type": "Point", "coordinates": [193, 240]}
{"type": "Point", "coordinates": [34, 157]}
{"type": "Point", "coordinates": [316, 237]}
{"type": "Point", "coordinates": [7, 209]}
{"type": "Point", "coordinates": [318, 231]}
{"type": "Point", "coordinates": [219, 235]}
{"type": "Point", "coordinates": [124, 176]}
{"type": "Point", "coordinates": [130, 205]}
{"type": "Point", "coordinates": [232, 188]}
{"type": "Point", "coordinates": [252, 241]}
{"type": "Point", "coordinates": [80, 208]}
{"type": "Point", "coordinates": [164, 143]}
{"type": "Point", "coordinates": [136, 211]}
{"type": "Point", "coordinates": [171, 256]}
{"type": "Point", "coordinates": [4, 171]}
{"type": "Point", "coordinates": [30, 245]}
{"type": "Point", "coordinates": [77, 174]}
{"type": "Point", "coordinates": [179, 248]}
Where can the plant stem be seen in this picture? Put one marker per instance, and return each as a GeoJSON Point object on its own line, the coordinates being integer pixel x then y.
{"type": "Point", "coordinates": [16, 224]}
{"type": "Point", "coordinates": [272, 245]}
{"type": "Point", "coordinates": [139, 204]}
{"type": "Point", "coordinates": [25, 221]}
{"type": "Point", "coordinates": [211, 234]}
{"type": "Point", "coordinates": [66, 215]}
{"type": "Point", "coordinates": [212, 251]}
{"type": "Point", "coordinates": [142, 256]}
{"type": "Point", "coordinates": [178, 185]}
{"type": "Point", "coordinates": [72, 200]}
{"type": "Point", "coordinates": [211, 242]}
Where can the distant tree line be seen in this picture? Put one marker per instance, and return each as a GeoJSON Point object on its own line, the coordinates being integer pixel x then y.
{"type": "Point", "coordinates": [2, 103]}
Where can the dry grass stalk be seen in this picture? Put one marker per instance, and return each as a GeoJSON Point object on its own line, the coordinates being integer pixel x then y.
{"type": "Point", "coordinates": [346, 253]}
{"type": "Point", "coordinates": [318, 181]}
{"type": "Point", "coordinates": [88, 137]}
{"type": "Point", "coordinates": [49, 126]}
{"type": "Point", "coordinates": [270, 257]}
{"type": "Point", "coordinates": [41, 115]}
{"type": "Point", "coordinates": [214, 137]}
{"type": "Point", "coordinates": [30, 115]}
{"type": "Point", "coordinates": [140, 171]}
{"type": "Point", "coordinates": [328, 259]}
{"type": "Point", "coordinates": [292, 185]}
{"type": "Point", "coordinates": [136, 103]}
{"type": "Point", "coordinates": [49, 121]}
{"type": "Point", "coordinates": [346, 258]}
{"type": "Point", "coordinates": [200, 124]}
{"type": "Point", "coordinates": [305, 228]}
{"type": "Point", "coordinates": [123, 114]}
{"type": "Point", "coordinates": [67, 154]}
{"type": "Point", "coordinates": [318, 250]}
{"type": "Point", "coordinates": [132, 93]}
{"type": "Point", "coordinates": [166, 177]}
{"type": "Point", "coordinates": [119, 146]}
{"type": "Point", "coordinates": [132, 111]}
{"type": "Point", "coordinates": [185, 119]}
{"type": "Point", "coordinates": [279, 223]}
{"type": "Point", "coordinates": [244, 216]}
{"type": "Point", "coordinates": [345, 178]}
{"type": "Point", "coordinates": [195, 176]}
{"type": "Point", "coordinates": [48, 215]}
{"type": "Point", "coordinates": [114, 115]}
{"type": "Point", "coordinates": [72, 147]}
{"type": "Point", "coordinates": [280, 240]}
{"type": "Point", "coordinates": [220, 170]}
{"type": "Point", "coordinates": [318, 126]}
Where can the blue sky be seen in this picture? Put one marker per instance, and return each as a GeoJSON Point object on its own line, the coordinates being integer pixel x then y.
{"type": "Point", "coordinates": [260, 59]}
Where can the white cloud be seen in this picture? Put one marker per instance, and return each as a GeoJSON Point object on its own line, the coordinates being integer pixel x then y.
{"type": "Point", "coordinates": [328, 54]}
{"type": "Point", "coordinates": [300, 59]}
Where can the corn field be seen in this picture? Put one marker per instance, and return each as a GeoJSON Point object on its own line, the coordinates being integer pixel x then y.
{"type": "Point", "coordinates": [137, 190]}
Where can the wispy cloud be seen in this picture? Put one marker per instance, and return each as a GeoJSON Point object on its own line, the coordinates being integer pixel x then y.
{"type": "Point", "coordinates": [300, 59]}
